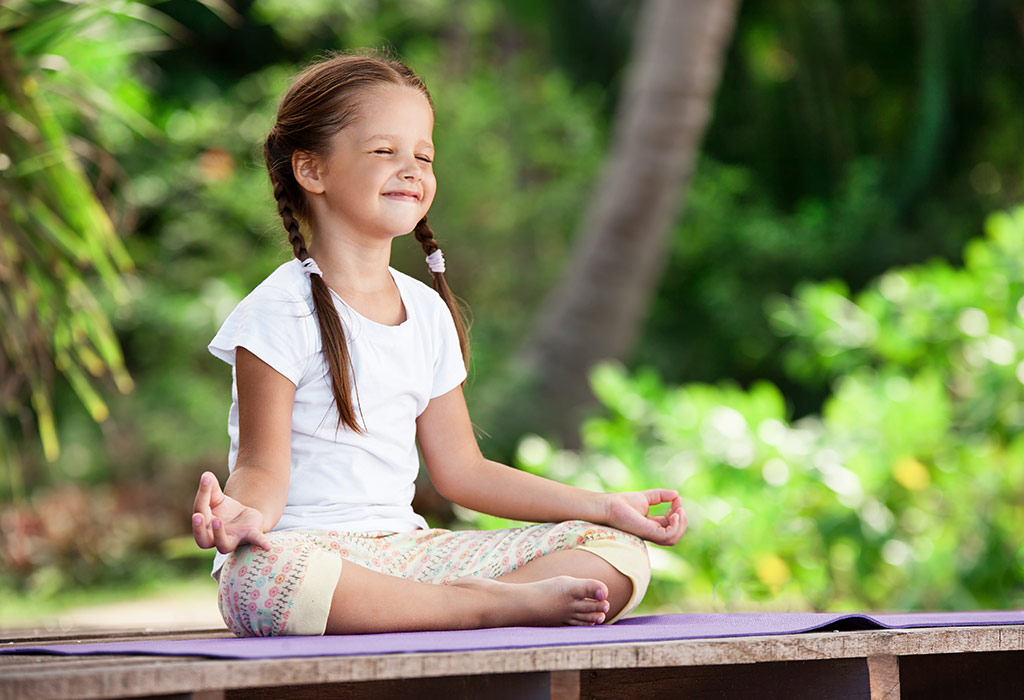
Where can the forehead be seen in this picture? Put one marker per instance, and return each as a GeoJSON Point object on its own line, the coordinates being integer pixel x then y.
{"type": "Point", "coordinates": [394, 109]}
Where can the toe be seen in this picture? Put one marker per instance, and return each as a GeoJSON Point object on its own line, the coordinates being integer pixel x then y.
{"type": "Point", "coordinates": [589, 588]}
{"type": "Point", "coordinates": [589, 605]}
{"type": "Point", "coordinates": [592, 618]}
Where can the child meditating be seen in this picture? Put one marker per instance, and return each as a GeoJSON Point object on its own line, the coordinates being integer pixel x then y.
{"type": "Point", "coordinates": [341, 366]}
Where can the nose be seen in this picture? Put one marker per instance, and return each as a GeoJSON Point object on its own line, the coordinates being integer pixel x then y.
{"type": "Point", "coordinates": [409, 170]}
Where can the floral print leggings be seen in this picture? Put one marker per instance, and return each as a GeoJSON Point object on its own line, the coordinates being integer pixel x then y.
{"type": "Point", "coordinates": [288, 589]}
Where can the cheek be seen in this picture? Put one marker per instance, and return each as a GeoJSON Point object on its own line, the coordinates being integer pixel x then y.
{"type": "Point", "coordinates": [429, 189]}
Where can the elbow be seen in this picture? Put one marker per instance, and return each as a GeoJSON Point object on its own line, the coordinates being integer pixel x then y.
{"type": "Point", "coordinates": [448, 488]}
{"type": "Point", "coordinates": [455, 481]}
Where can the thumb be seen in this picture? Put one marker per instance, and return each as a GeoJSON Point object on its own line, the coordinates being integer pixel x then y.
{"type": "Point", "coordinates": [216, 493]}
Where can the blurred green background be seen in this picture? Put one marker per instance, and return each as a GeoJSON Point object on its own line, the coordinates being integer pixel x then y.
{"type": "Point", "coordinates": [830, 370]}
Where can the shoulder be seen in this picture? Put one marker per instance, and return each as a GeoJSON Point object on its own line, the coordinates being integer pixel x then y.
{"type": "Point", "coordinates": [286, 285]}
{"type": "Point", "coordinates": [275, 322]}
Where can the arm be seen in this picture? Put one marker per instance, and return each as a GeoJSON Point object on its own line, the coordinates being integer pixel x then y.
{"type": "Point", "coordinates": [255, 494]}
{"type": "Point", "coordinates": [462, 474]}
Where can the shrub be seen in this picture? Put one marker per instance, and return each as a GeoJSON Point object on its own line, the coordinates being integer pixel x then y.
{"type": "Point", "coordinates": [905, 492]}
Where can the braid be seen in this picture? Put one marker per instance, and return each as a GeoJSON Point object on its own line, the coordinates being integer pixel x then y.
{"type": "Point", "coordinates": [425, 235]}
{"type": "Point", "coordinates": [332, 333]}
{"type": "Point", "coordinates": [291, 225]}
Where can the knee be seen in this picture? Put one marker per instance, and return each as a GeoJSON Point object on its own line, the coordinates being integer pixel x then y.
{"type": "Point", "coordinates": [629, 557]}
{"type": "Point", "coordinates": [284, 591]}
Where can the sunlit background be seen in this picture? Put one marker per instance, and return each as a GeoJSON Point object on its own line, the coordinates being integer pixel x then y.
{"type": "Point", "coordinates": [828, 361]}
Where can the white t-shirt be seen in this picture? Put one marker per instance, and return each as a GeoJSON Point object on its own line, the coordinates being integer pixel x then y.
{"type": "Point", "coordinates": [340, 479]}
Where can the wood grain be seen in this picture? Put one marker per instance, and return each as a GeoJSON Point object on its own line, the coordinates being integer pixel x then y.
{"type": "Point", "coordinates": [884, 675]}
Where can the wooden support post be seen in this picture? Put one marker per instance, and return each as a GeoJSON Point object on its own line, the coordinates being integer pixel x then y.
{"type": "Point", "coordinates": [565, 685]}
{"type": "Point", "coordinates": [884, 677]}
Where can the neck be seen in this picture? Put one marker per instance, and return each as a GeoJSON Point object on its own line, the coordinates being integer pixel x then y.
{"type": "Point", "coordinates": [351, 264]}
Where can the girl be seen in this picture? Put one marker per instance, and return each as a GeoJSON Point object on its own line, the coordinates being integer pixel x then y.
{"type": "Point", "coordinates": [341, 365]}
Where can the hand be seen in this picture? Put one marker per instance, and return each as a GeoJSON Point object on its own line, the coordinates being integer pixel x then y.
{"type": "Point", "coordinates": [629, 512]}
{"type": "Point", "coordinates": [221, 521]}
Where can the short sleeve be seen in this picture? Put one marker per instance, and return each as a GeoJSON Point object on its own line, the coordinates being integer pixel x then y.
{"type": "Point", "coordinates": [449, 367]}
{"type": "Point", "coordinates": [273, 325]}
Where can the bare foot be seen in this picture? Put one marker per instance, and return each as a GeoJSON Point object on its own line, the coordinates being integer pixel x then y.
{"type": "Point", "coordinates": [562, 600]}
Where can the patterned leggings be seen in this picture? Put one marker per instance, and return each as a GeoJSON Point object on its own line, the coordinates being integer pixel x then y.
{"type": "Point", "coordinates": [288, 589]}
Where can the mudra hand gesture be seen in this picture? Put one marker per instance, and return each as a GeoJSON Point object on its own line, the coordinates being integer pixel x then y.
{"type": "Point", "coordinates": [222, 522]}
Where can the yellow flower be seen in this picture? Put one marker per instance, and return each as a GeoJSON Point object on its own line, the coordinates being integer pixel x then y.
{"type": "Point", "coordinates": [771, 570]}
{"type": "Point", "coordinates": [910, 473]}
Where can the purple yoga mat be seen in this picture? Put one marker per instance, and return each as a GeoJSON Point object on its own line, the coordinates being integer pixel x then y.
{"type": "Point", "coordinates": [636, 629]}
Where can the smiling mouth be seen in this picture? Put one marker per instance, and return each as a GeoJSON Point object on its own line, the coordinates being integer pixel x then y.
{"type": "Point", "coordinates": [410, 196]}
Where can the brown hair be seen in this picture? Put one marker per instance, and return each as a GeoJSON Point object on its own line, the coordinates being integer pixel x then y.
{"type": "Point", "coordinates": [321, 101]}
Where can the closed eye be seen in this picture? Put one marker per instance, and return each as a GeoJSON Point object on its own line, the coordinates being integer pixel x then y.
{"type": "Point", "coordinates": [386, 151]}
{"type": "Point", "coordinates": [426, 159]}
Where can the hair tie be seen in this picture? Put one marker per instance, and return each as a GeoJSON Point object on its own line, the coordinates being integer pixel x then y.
{"type": "Point", "coordinates": [310, 267]}
{"type": "Point", "coordinates": [436, 261]}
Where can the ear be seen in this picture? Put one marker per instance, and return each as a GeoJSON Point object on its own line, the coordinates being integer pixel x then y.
{"type": "Point", "coordinates": [306, 167]}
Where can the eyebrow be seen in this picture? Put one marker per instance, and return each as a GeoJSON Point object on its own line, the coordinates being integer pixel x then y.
{"type": "Point", "coordinates": [387, 137]}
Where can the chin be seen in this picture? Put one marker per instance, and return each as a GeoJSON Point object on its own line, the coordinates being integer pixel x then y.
{"type": "Point", "coordinates": [401, 229]}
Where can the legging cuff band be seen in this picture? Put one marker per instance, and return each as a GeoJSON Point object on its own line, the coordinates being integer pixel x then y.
{"type": "Point", "coordinates": [631, 561]}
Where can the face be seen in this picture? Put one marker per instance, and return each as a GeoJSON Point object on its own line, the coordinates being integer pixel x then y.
{"type": "Point", "coordinates": [378, 178]}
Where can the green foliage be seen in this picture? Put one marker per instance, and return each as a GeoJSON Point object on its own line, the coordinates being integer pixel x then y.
{"type": "Point", "coordinates": [848, 138]}
{"type": "Point", "coordinates": [734, 247]}
{"type": "Point", "coordinates": [64, 96]}
{"type": "Point", "coordinates": [849, 168]}
{"type": "Point", "coordinates": [904, 493]}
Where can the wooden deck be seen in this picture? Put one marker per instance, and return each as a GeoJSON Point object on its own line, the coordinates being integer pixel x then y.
{"type": "Point", "coordinates": [945, 663]}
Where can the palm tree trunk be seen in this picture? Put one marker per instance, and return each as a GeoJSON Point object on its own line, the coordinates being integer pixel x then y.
{"type": "Point", "coordinates": [596, 312]}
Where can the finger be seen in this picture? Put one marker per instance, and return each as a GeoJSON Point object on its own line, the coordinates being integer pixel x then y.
{"type": "Point", "coordinates": [677, 509]}
{"type": "Point", "coordinates": [202, 502]}
{"type": "Point", "coordinates": [650, 531]}
{"type": "Point", "coordinates": [662, 520]}
{"type": "Point", "coordinates": [225, 541]}
{"type": "Point", "coordinates": [216, 494]}
{"type": "Point", "coordinates": [204, 531]}
{"type": "Point", "coordinates": [656, 496]}
{"type": "Point", "coordinates": [670, 530]}
{"type": "Point", "coordinates": [676, 529]}
{"type": "Point", "coordinates": [259, 539]}
{"type": "Point", "coordinates": [199, 531]}
{"type": "Point", "coordinates": [676, 506]}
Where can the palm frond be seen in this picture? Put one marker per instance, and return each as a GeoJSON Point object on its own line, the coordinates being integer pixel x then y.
{"type": "Point", "coordinates": [60, 252]}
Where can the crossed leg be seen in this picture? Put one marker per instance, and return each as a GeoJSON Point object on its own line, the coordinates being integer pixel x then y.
{"type": "Point", "coordinates": [368, 601]}
{"type": "Point", "coordinates": [311, 580]}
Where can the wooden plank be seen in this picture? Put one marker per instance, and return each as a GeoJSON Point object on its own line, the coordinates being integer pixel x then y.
{"type": "Point", "coordinates": [11, 665]}
{"type": "Point", "coordinates": [59, 677]}
{"type": "Point", "coordinates": [41, 637]}
{"type": "Point", "coordinates": [884, 675]}
{"type": "Point", "coordinates": [694, 652]}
